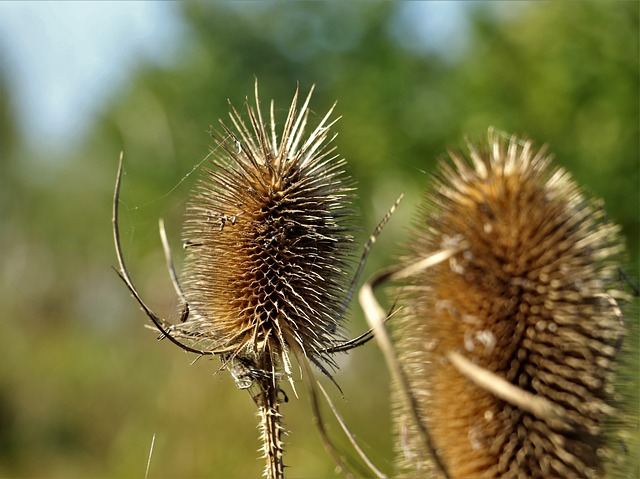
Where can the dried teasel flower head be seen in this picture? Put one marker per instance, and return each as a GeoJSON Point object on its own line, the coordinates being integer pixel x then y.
{"type": "Point", "coordinates": [268, 244]}
{"type": "Point", "coordinates": [509, 344]}
{"type": "Point", "coordinates": [267, 240]}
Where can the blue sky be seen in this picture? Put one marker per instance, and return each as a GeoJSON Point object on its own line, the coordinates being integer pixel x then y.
{"type": "Point", "coordinates": [64, 60]}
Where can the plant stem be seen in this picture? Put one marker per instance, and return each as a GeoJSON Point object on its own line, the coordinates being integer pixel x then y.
{"type": "Point", "coordinates": [268, 404]}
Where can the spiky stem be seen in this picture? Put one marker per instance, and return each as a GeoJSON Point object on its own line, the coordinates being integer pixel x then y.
{"type": "Point", "coordinates": [268, 402]}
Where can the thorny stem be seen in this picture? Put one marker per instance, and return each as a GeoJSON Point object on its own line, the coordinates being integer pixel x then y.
{"type": "Point", "coordinates": [268, 403]}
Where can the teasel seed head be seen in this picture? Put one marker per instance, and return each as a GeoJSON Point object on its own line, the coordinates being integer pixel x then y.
{"type": "Point", "coordinates": [268, 239]}
{"type": "Point", "coordinates": [530, 301]}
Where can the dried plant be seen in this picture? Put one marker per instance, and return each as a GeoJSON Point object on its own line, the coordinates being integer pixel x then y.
{"type": "Point", "coordinates": [268, 239]}
{"type": "Point", "coordinates": [510, 326]}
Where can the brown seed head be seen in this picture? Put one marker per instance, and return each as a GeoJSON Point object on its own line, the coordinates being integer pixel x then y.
{"type": "Point", "coordinates": [267, 237]}
{"type": "Point", "coordinates": [530, 297]}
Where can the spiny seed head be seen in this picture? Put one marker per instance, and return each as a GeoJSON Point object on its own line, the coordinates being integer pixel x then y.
{"type": "Point", "coordinates": [267, 240]}
{"type": "Point", "coordinates": [531, 297]}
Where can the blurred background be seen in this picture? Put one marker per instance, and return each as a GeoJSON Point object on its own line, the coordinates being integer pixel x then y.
{"type": "Point", "coordinates": [84, 387]}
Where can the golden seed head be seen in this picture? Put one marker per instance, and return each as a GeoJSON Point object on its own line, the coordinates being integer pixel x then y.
{"type": "Point", "coordinates": [531, 297]}
{"type": "Point", "coordinates": [267, 240]}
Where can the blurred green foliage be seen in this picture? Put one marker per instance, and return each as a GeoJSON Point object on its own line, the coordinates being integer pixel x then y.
{"type": "Point", "coordinates": [83, 386]}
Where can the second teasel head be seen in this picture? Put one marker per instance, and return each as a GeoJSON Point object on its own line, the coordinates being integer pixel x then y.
{"type": "Point", "coordinates": [531, 297]}
{"type": "Point", "coordinates": [267, 239]}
